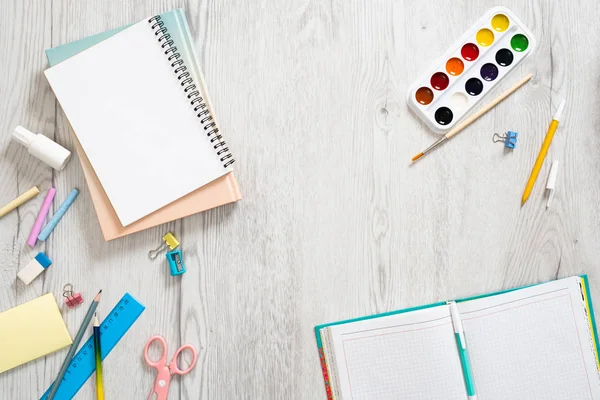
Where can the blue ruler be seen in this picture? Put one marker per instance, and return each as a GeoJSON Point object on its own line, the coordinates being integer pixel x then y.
{"type": "Point", "coordinates": [112, 329]}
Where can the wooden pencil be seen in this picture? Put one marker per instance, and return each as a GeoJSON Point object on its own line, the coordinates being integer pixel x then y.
{"type": "Point", "coordinates": [63, 369]}
{"type": "Point", "coordinates": [543, 151]}
{"type": "Point", "coordinates": [458, 128]}
{"type": "Point", "coordinates": [98, 359]}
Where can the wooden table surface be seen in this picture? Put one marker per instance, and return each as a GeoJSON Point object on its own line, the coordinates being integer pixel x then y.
{"type": "Point", "coordinates": [334, 222]}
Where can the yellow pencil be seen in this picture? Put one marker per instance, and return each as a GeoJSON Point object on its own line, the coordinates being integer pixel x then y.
{"type": "Point", "coordinates": [543, 151]}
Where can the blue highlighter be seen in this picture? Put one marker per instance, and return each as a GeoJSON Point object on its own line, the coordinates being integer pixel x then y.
{"type": "Point", "coordinates": [58, 215]}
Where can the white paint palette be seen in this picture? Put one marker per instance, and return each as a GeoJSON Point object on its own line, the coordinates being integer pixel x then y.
{"type": "Point", "coordinates": [470, 69]}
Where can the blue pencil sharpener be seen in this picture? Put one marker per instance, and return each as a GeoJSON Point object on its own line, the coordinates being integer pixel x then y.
{"type": "Point", "coordinates": [176, 265]}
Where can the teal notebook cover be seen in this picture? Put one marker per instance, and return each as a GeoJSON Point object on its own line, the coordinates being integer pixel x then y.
{"type": "Point", "coordinates": [588, 300]}
{"type": "Point", "coordinates": [174, 21]}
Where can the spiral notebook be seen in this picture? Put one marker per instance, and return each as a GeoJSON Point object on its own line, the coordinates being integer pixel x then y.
{"type": "Point", "coordinates": [534, 343]}
{"type": "Point", "coordinates": [141, 119]}
{"type": "Point", "coordinates": [222, 191]}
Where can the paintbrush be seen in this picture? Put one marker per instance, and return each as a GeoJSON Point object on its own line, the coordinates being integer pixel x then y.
{"type": "Point", "coordinates": [473, 117]}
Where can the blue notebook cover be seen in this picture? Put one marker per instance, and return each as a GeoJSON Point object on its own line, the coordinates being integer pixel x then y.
{"type": "Point", "coordinates": [586, 291]}
{"type": "Point", "coordinates": [174, 21]}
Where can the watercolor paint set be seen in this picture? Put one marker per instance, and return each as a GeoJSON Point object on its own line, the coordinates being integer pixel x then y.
{"type": "Point", "coordinates": [481, 58]}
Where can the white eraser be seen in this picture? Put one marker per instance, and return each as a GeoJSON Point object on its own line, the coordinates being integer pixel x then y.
{"type": "Point", "coordinates": [34, 268]}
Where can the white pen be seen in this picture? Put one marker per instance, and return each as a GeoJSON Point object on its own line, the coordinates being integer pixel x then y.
{"type": "Point", "coordinates": [459, 334]}
{"type": "Point", "coordinates": [551, 182]}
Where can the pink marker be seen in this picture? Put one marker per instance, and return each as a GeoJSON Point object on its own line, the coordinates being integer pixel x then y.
{"type": "Point", "coordinates": [39, 221]}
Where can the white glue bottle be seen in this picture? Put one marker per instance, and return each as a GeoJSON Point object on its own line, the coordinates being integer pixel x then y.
{"type": "Point", "coordinates": [42, 148]}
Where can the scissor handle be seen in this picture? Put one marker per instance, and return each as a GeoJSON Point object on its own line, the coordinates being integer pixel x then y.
{"type": "Point", "coordinates": [162, 361]}
{"type": "Point", "coordinates": [174, 367]}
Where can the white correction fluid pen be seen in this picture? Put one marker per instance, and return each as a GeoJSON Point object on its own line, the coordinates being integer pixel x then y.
{"type": "Point", "coordinates": [551, 182]}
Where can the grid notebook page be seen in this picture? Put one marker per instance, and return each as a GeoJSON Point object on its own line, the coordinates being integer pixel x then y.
{"type": "Point", "coordinates": [135, 123]}
{"type": "Point", "coordinates": [410, 356]}
{"type": "Point", "coordinates": [533, 344]}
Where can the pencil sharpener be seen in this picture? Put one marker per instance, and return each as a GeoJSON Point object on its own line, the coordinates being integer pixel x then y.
{"type": "Point", "coordinates": [176, 264]}
{"type": "Point", "coordinates": [73, 300]}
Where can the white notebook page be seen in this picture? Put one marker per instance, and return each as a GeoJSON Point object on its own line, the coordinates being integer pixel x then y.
{"type": "Point", "coordinates": [532, 344]}
{"type": "Point", "coordinates": [410, 356]}
{"type": "Point", "coordinates": [135, 123]}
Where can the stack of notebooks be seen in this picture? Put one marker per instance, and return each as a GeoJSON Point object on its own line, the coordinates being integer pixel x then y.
{"type": "Point", "coordinates": [533, 343]}
{"type": "Point", "coordinates": [144, 127]}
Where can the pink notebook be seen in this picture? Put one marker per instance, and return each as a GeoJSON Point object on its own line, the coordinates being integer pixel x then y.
{"type": "Point", "coordinates": [222, 191]}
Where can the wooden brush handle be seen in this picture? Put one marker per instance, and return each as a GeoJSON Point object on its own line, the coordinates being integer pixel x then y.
{"type": "Point", "coordinates": [488, 107]}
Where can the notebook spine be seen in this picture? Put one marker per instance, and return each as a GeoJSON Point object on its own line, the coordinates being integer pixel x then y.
{"type": "Point", "coordinates": [191, 90]}
{"type": "Point", "coordinates": [325, 374]}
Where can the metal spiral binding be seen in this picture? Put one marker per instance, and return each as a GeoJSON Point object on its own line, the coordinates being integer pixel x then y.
{"type": "Point", "coordinates": [190, 89]}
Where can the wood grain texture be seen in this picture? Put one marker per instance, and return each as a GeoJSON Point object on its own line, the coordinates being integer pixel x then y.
{"type": "Point", "coordinates": [334, 223]}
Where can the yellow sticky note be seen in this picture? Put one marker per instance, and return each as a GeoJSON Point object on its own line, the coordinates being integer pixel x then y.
{"type": "Point", "coordinates": [30, 331]}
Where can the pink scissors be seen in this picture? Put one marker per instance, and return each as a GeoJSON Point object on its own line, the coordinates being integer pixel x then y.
{"type": "Point", "coordinates": [164, 371]}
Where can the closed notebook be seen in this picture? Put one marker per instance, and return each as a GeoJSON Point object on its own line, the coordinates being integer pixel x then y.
{"type": "Point", "coordinates": [532, 343]}
{"type": "Point", "coordinates": [141, 116]}
{"type": "Point", "coordinates": [30, 331]}
{"type": "Point", "coordinates": [222, 191]}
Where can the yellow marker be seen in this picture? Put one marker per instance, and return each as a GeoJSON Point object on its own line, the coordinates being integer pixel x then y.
{"type": "Point", "coordinates": [25, 197]}
{"type": "Point", "coordinates": [543, 151]}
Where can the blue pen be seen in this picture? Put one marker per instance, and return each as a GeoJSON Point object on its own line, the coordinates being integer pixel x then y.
{"type": "Point", "coordinates": [58, 215]}
{"type": "Point", "coordinates": [459, 333]}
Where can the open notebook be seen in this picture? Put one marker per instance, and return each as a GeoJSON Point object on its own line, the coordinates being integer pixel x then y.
{"type": "Point", "coordinates": [141, 119]}
{"type": "Point", "coordinates": [221, 191]}
{"type": "Point", "coordinates": [533, 343]}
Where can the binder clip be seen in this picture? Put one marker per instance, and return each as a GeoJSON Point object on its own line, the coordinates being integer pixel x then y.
{"type": "Point", "coordinates": [168, 240]}
{"type": "Point", "coordinates": [509, 138]}
{"type": "Point", "coordinates": [71, 299]}
{"type": "Point", "coordinates": [174, 256]}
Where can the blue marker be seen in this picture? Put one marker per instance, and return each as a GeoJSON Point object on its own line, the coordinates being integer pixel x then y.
{"type": "Point", "coordinates": [58, 215]}
{"type": "Point", "coordinates": [461, 343]}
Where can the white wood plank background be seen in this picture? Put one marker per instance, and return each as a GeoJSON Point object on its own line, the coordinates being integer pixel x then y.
{"type": "Point", "coordinates": [334, 223]}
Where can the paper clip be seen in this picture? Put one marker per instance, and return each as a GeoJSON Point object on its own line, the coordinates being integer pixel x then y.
{"type": "Point", "coordinates": [71, 299]}
{"type": "Point", "coordinates": [168, 240]}
{"type": "Point", "coordinates": [509, 139]}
